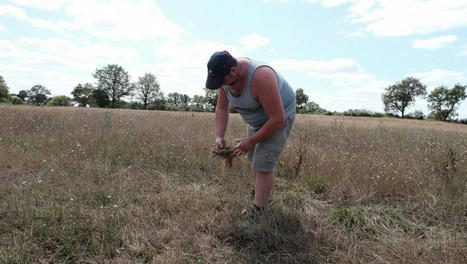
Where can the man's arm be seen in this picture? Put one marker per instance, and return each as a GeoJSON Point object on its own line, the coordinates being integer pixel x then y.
{"type": "Point", "coordinates": [264, 89]}
{"type": "Point", "coordinates": [222, 117]}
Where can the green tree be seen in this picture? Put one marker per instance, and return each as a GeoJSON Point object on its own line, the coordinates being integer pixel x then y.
{"type": "Point", "coordinates": [4, 90]}
{"type": "Point", "coordinates": [159, 104]}
{"type": "Point", "coordinates": [100, 98]}
{"type": "Point", "coordinates": [16, 100]}
{"type": "Point", "coordinates": [115, 81]}
{"type": "Point", "coordinates": [60, 100]}
{"type": "Point", "coordinates": [38, 94]}
{"type": "Point", "coordinates": [312, 108]}
{"type": "Point", "coordinates": [211, 99]}
{"type": "Point", "coordinates": [443, 101]}
{"type": "Point", "coordinates": [401, 95]}
{"type": "Point", "coordinates": [147, 89]}
{"type": "Point", "coordinates": [199, 103]}
{"type": "Point", "coordinates": [82, 94]}
{"type": "Point", "coordinates": [23, 95]}
{"type": "Point", "coordinates": [301, 98]}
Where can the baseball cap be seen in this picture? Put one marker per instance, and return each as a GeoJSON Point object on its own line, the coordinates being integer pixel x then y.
{"type": "Point", "coordinates": [218, 67]}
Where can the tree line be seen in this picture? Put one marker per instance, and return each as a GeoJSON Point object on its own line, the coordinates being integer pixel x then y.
{"type": "Point", "coordinates": [113, 86]}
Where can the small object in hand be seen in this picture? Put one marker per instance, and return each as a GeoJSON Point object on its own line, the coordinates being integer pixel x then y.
{"type": "Point", "coordinates": [226, 154]}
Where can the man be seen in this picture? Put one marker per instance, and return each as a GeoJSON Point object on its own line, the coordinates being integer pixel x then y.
{"type": "Point", "coordinates": [266, 103]}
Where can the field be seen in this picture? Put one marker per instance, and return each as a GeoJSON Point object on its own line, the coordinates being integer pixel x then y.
{"type": "Point", "coordinates": [124, 186]}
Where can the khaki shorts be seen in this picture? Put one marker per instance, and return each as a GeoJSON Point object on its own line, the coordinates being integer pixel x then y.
{"type": "Point", "coordinates": [265, 154]}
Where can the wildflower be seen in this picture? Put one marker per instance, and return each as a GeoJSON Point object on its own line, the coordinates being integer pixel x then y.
{"type": "Point", "coordinates": [115, 206]}
{"type": "Point", "coordinates": [108, 196]}
{"type": "Point", "coordinates": [39, 181]}
{"type": "Point", "coordinates": [101, 207]}
{"type": "Point", "coordinates": [24, 182]}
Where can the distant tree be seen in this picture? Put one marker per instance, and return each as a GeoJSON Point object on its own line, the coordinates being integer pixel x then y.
{"type": "Point", "coordinates": [211, 99]}
{"type": "Point", "coordinates": [174, 100]}
{"type": "Point", "coordinates": [23, 95]}
{"type": "Point", "coordinates": [311, 108]}
{"type": "Point", "coordinates": [147, 89]}
{"type": "Point", "coordinates": [38, 94]}
{"type": "Point", "coordinates": [60, 100]}
{"type": "Point", "coordinates": [199, 103]}
{"type": "Point", "coordinates": [401, 95]}
{"type": "Point", "coordinates": [16, 100]}
{"type": "Point", "coordinates": [443, 101]}
{"type": "Point", "coordinates": [417, 114]}
{"type": "Point", "coordinates": [82, 94]}
{"type": "Point", "coordinates": [4, 90]}
{"type": "Point", "coordinates": [100, 98]}
{"type": "Point", "coordinates": [159, 104]}
{"type": "Point", "coordinates": [301, 98]}
{"type": "Point", "coordinates": [115, 81]}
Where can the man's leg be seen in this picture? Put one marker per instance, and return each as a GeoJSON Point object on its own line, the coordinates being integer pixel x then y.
{"type": "Point", "coordinates": [263, 187]}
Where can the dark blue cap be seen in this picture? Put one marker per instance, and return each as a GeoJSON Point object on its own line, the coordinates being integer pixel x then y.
{"type": "Point", "coordinates": [218, 67]}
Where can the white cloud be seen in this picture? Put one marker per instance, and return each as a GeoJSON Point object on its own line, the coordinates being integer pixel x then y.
{"type": "Point", "coordinates": [13, 11]}
{"type": "Point", "coordinates": [114, 19]}
{"type": "Point", "coordinates": [123, 19]}
{"type": "Point", "coordinates": [408, 17]}
{"type": "Point", "coordinates": [58, 64]}
{"type": "Point", "coordinates": [463, 51]}
{"type": "Point", "coordinates": [40, 4]}
{"type": "Point", "coordinates": [253, 41]}
{"type": "Point", "coordinates": [433, 43]}
{"type": "Point", "coordinates": [312, 67]}
{"type": "Point", "coordinates": [2, 28]}
{"type": "Point", "coordinates": [438, 77]}
{"type": "Point", "coordinates": [403, 17]}
{"type": "Point", "coordinates": [182, 68]}
{"type": "Point", "coordinates": [20, 14]}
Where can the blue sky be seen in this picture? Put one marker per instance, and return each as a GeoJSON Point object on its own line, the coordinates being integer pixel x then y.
{"type": "Point", "coordinates": [343, 53]}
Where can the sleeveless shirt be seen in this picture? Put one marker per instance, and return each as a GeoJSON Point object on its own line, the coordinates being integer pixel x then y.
{"type": "Point", "coordinates": [251, 110]}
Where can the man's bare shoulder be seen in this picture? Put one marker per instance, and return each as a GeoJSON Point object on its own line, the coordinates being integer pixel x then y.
{"type": "Point", "coordinates": [263, 80]}
{"type": "Point", "coordinates": [264, 73]}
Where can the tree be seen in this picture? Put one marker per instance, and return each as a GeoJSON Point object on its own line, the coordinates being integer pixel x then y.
{"type": "Point", "coordinates": [443, 101]}
{"type": "Point", "coordinates": [100, 98]}
{"type": "Point", "coordinates": [38, 94]}
{"type": "Point", "coordinates": [199, 103]}
{"type": "Point", "coordinates": [82, 94]}
{"type": "Point", "coordinates": [301, 98]}
{"type": "Point", "coordinates": [60, 100]}
{"type": "Point", "coordinates": [23, 95]}
{"type": "Point", "coordinates": [312, 108]}
{"type": "Point", "coordinates": [115, 81]}
{"type": "Point", "coordinates": [4, 90]}
{"type": "Point", "coordinates": [401, 95]}
{"type": "Point", "coordinates": [211, 99]}
{"type": "Point", "coordinates": [147, 89]}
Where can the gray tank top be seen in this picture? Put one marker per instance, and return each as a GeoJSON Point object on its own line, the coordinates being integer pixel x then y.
{"type": "Point", "coordinates": [251, 110]}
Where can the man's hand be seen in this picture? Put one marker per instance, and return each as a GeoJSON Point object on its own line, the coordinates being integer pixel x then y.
{"type": "Point", "coordinates": [242, 147]}
{"type": "Point", "coordinates": [220, 142]}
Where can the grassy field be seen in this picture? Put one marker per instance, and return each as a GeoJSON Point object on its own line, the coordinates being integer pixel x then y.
{"type": "Point", "coordinates": [123, 186]}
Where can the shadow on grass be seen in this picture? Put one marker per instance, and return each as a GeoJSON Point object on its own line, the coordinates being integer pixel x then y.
{"type": "Point", "coordinates": [278, 237]}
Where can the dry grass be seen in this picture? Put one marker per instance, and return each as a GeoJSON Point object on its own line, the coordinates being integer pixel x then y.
{"type": "Point", "coordinates": [122, 186]}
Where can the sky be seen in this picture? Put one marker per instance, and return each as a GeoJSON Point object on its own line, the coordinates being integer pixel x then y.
{"type": "Point", "coordinates": [342, 53]}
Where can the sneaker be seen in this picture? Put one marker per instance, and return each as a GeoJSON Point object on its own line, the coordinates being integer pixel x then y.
{"type": "Point", "coordinates": [252, 218]}
{"type": "Point", "coordinates": [250, 196]}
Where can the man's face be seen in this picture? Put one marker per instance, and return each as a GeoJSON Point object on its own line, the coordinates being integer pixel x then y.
{"type": "Point", "coordinates": [233, 77]}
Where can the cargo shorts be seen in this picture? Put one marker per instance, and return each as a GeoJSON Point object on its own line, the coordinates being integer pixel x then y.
{"type": "Point", "coordinates": [264, 156]}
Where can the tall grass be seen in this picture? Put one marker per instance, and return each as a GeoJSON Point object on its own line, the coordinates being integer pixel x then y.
{"type": "Point", "coordinates": [123, 186]}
